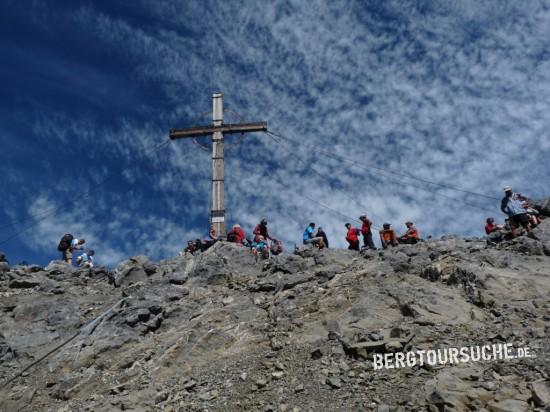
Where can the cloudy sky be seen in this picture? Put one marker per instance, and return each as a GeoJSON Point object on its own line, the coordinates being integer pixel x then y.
{"type": "Point", "coordinates": [393, 108]}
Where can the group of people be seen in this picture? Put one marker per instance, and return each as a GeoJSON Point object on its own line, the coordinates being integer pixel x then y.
{"type": "Point", "coordinates": [69, 244]}
{"type": "Point", "coordinates": [262, 244]}
{"type": "Point", "coordinates": [387, 235]}
{"type": "Point", "coordinates": [315, 237]}
{"type": "Point", "coordinates": [516, 207]}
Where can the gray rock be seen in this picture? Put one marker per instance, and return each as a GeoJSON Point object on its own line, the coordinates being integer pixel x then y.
{"type": "Point", "coordinates": [509, 405]}
{"type": "Point", "coordinates": [334, 382]}
{"type": "Point", "coordinates": [283, 332]}
{"type": "Point", "coordinates": [4, 267]}
{"type": "Point", "coordinates": [540, 393]}
{"type": "Point", "coordinates": [178, 278]}
{"type": "Point", "coordinates": [24, 283]}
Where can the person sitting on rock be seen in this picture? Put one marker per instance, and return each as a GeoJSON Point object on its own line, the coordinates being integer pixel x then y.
{"type": "Point", "coordinates": [532, 214]}
{"type": "Point", "coordinates": [352, 237]}
{"type": "Point", "coordinates": [309, 237]}
{"type": "Point", "coordinates": [491, 227]}
{"type": "Point", "coordinates": [261, 230]}
{"type": "Point", "coordinates": [366, 232]}
{"type": "Point", "coordinates": [86, 260]}
{"type": "Point", "coordinates": [387, 236]}
{"type": "Point", "coordinates": [321, 233]}
{"type": "Point", "coordinates": [260, 248]}
{"type": "Point", "coordinates": [236, 235]}
{"type": "Point", "coordinates": [512, 204]}
{"type": "Point", "coordinates": [190, 248]}
{"type": "Point", "coordinates": [411, 236]}
{"type": "Point", "coordinates": [495, 233]}
{"type": "Point", "coordinates": [4, 264]}
{"type": "Point", "coordinates": [276, 247]}
{"type": "Point", "coordinates": [210, 239]}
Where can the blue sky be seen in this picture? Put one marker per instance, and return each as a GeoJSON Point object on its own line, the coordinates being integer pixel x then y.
{"type": "Point", "coordinates": [451, 92]}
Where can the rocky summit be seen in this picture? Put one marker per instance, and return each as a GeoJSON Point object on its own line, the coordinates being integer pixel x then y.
{"type": "Point", "coordinates": [299, 332]}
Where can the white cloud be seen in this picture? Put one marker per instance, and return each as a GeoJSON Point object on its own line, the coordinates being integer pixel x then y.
{"type": "Point", "coordinates": [456, 93]}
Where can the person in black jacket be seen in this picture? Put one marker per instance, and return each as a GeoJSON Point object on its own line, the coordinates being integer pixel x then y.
{"type": "Point", "coordinates": [321, 233]}
{"type": "Point", "coordinates": [4, 264]}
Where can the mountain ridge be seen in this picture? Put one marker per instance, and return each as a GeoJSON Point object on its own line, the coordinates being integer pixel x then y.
{"type": "Point", "coordinates": [223, 332]}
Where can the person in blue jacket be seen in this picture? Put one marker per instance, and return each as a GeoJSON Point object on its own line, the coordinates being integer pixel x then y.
{"type": "Point", "coordinates": [513, 204]}
{"type": "Point", "coordinates": [310, 237]}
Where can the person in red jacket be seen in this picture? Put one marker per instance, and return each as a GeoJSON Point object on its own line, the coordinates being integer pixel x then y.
{"type": "Point", "coordinates": [352, 237]}
{"type": "Point", "coordinates": [491, 227]}
{"type": "Point", "coordinates": [261, 230]}
{"type": "Point", "coordinates": [236, 235]}
{"type": "Point", "coordinates": [366, 232]}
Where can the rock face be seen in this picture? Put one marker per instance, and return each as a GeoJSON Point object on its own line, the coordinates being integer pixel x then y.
{"type": "Point", "coordinates": [222, 332]}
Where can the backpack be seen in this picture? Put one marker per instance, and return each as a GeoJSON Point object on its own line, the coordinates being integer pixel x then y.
{"type": "Point", "coordinates": [65, 242]}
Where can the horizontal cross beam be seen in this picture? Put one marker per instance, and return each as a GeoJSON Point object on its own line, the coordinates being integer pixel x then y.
{"type": "Point", "coordinates": [226, 128]}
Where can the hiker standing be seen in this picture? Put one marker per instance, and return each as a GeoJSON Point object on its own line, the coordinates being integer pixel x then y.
{"type": "Point", "coordinates": [513, 205]}
{"type": "Point", "coordinates": [309, 237]}
{"type": "Point", "coordinates": [366, 232]}
{"type": "Point", "coordinates": [68, 245]}
{"type": "Point", "coordinates": [352, 236]}
{"type": "Point", "coordinates": [261, 230]}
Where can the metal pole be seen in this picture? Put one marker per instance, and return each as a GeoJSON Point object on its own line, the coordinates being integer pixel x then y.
{"type": "Point", "coordinates": [217, 217]}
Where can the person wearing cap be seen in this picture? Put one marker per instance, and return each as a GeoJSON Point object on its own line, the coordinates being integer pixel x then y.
{"type": "Point", "coordinates": [366, 232]}
{"type": "Point", "coordinates": [309, 237]}
{"type": "Point", "coordinates": [411, 236]}
{"type": "Point", "coordinates": [513, 205]}
{"type": "Point", "coordinates": [86, 260]}
{"type": "Point", "coordinates": [236, 235]}
{"type": "Point", "coordinates": [261, 230]}
{"type": "Point", "coordinates": [387, 236]}
{"type": "Point", "coordinates": [352, 236]}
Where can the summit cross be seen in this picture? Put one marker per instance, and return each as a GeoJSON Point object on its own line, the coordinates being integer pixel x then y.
{"type": "Point", "coordinates": [218, 130]}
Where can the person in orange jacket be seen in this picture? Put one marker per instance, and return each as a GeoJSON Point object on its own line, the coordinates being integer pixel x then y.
{"type": "Point", "coordinates": [411, 236]}
{"type": "Point", "coordinates": [387, 236]}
